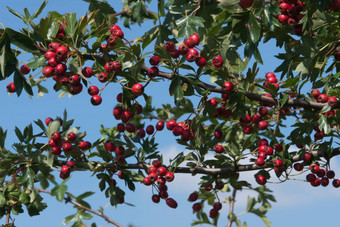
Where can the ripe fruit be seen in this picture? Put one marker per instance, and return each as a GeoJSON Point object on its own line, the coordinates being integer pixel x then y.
{"type": "Point", "coordinates": [213, 213]}
{"type": "Point", "coordinates": [196, 207]}
{"type": "Point", "coordinates": [110, 146]}
{"type": "Point", "coordinates": [315, 93]}
{"type": "Point", "coordinates": [65, 169]}
{"type": "Point", "coordinates": [93, 90]}
{"type": "Point", "coordinates": [117, 65]}
{"type": "Point", "coordinates": [66, 147]}
{"type": "Point", "coordinates": [10, 87]}
{"type": "Point", "coordinates": [228, 87]}
{"type": "Point", "coordinates": [261, 180]}
{"type": "Point", "coordinates": [183, 49]}
{"type": "Point", "coordinates": [171, 125]}
{"type": "Point", "coordinates": [262, 125]}
{"type": "Point", "coordinates": [140, 133]}
{"type": "Point", "coordinates": [160, 125]}
{"type": "Point", "coordinates": [102, 77]}
{"type": "Point", "coordinates": [323, 98]}
{"type": "Point", "coordinates": [217, 61]}
{"type": "Point", "coordinates": [71, 164]}
{"type": "Point", "coordinates": [150, 129]}
{"type": "Point", "coordinates": [193, 197]}
{"type": "Point", "coordinates": [278, 163]}
{"type": "Point", "coordinates": [96, 100]}
{"type": "Point", "coordinates": [153, 72]}
{"type": "Point", "coordinates": [332, 101]}
{"type": "Point", "coordinates": [246, 3]}
{"type": "Point", "coordinates": [47, 71]}
{"type": "Point", "coordinates": [155, 198]}
{"type": "Point", "coordinates": [168, 45]}
{"type": "Point", "coordinates": [218, 148]}
{"type": "Point", "coordinates": [278, 147]}
{"type": "Point", "coordinates": [169, 176]}
{"type": "Point", "coordinates": [71, 136]}
{"type": "Point", "coordinates": [218, 134]}
{"type": "Point", "coordinates": [154, 60]}
{"type": "Point", "coordinates": [137, 89]}
{"type": "Point", "coordinates": [195, 38]}
{"type": "Point", "coordinates": [260, 161]}
{"type": "Point", "coordinates": [130, 127]}
{"type": "Point", "coordinates": [200, 61]}
{"type": "Point", "coordinates": [108, 67]}
{"type": "Point", "coordinates": [298, 166]}
{"type": "Point", "coordinates": [87, 72]}
{"type": "Point", "coordinates": [330, 174]}
{"type": "Point", "coordinates": [171, 203]}
{"type": "Point", "coordinates": [307, 157]}
{"type": "Point", "coordinates": [74, 79]}
{"type": "Point", "coordinates": [217, 206]}
{"type": "Point", "coordinates": [24, 69]}
{"type": "Point", "coordinates": [161, 171]}
{"type": "Point", "coordinates": [56, 150]}
{"type": "Point", "coordinates": [263, 111]}
{"type": "Point", "coordinates": [248, 129]}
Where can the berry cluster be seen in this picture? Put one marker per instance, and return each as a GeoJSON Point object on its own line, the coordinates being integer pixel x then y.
{"type": "Point", "coordinates": [187, 50]}
{"type": "Point", "coordinates": [158, 177]}
{"type": "Point", "coordinates": [68, 142]}
{"type": "Point", "coordinates": [61, 31]}
{"type": "Point", "coordinates": [318, 175]}
{"type": "Point", "coordinates": [217, 206]}
{"type": "Point", "coordinates": [290, 14]}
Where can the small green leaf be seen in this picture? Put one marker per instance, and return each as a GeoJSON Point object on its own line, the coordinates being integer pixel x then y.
{"type": "Point", "coordinates": [54, 126]}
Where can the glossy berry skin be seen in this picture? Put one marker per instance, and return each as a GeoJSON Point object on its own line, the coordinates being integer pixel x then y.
{"type": "Point", "coordinates": [117, 65]}
{"type": "Point", "coordinates": [120, 150]}
{"type": "Point", "coordinates": [171, 203]}
{"type": "Point", "coordinates": [278, 147]}
{"type": "Point", "coordinates": [155, 198]}
{"type": "Point", "coordinates": [93, 90]}
{"type": "Point", "coordinates": [315, 93]}
{"type": "Point", "coordinates": [171, 125]}
{"type": "Point", "coordinates": [322, 98]}
{"type": "Point", "coordinates": [56, 150]}
{"type": "Point", "coordinates": [261, 142]}
{"type": "Point", "coordinates": [146, 181]}
{"type": "Point", "coordinates": [161, 171]}
{"type": "Point", "coordinates": [196, 207]}
{"type": "Point", "coordinates": [130, 127]}
{"type": "Point", "coordinates": [217, 61]}
{"type": "Point", "coordinates": [307, 157]}
{"type": "Point", "coordinates": [153, 72]}
{"type": "Point", "coordinates": [108, 67]}
{"type": "Point", "coordinates": [103, 77]}
{"type": "Point", "coordinates": [213, 213]}
{"type": "Point", "coordinates": [168, 45]}
{"type": "Point", "coordinates": [10, 87]}
{"type": "Point", "coordinates": [87, 72]}
{"type": "Point", "coordinates": [178, 130]}
{"type": "Point", "coordinates": [66, 147]}
{"type": "Point", "coordinates": [218, 134]}
{"type": "Point", "coordinates": [24, 69]}
{"type": "Point", "coordinates": [262, 125]}
{"type": "Point", "coordinates": [246, 3]}
{"type": "Point", "coordinates": [154, 60]}
{"type": "Point", "coordinates": [263, 111]}
{"type": "Point", "coordinates": [169, 176]}
{"type": "Point", "coordinates": [71, 164]}
{"type": "Point", "coordinates": [49, 54]}
{"type": "Point", "coordinates": [261, 180]}
{"type": "Point", "coordinates": [137, 89]}
{"type": "Point", "coordinates": [150, 129]}
{"type": "Point", "coordinates": [330, 174]}
{"type": "Point", "coordinates": [156, 163]}
{"type": "Point", "coordinates": [189, 42]}
{"type": "Point", "coordinates": [53, 46]}
{"type": "Point", "coordinates": [298, 166]}
{"type": "Point", "coordinates": [332, 101]}
{"type": "Point", "coordinates": [228, 87]}
{"type": "Point", "coordinates": [65, 169]}
{"type": "Point", "coordinates": [71, 136]}
{"type": "Point", "coordinates": [195, 38]}
{"type": "Point", "coordinates": [160, 125]}
{"type": "Point", "coordinates": [48, 121]}
{"type": "Point", "coordinates": [140, 133]}
{"type": "Point", "coordinates": [47, 71]}
{"type": "Point", "coordinates": [56, 137]}
{"type": "Point", "coordinates": [109, 146]}
{"type": "Point", "coordinates": [183, 49]}
{"type": "Point", "coordinates": [278, 163]}
{"type": "Point", "coordinates": [193, 197]}
{"type": "Point", "coordinates": [217, 205]}
{"type": "Point", "coordinates": [174, 53]}
{"type": "Point", "coordinates": [218, 148]}
{"type": "Point", "coordinates": [74, 79]}
{"type": "Point", "coordinates": [260, 161]}
{"type": "Point", "coordinates": [96, 100]}
{"type": "Point", "coordinates": [248, 129]}
{"type": "Point", "coordinates": [200, 61]}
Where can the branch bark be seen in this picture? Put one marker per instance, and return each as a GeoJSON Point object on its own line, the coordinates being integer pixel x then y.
{"type": "Point", "coordinates": [231, 208]}
{"type": "Point", "coordinates": [224, 170]}
{"type": "Point", "coordinates": [84, 207]}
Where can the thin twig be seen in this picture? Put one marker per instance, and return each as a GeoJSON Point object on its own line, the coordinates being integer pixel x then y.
{"type": "Point", "coordinates": [83, 207]}
{"type": "Point", "coordinates": [231, 208]}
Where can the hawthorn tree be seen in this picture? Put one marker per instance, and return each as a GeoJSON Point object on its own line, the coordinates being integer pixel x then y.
{"type": "Point", "coordinates": [223, 113]}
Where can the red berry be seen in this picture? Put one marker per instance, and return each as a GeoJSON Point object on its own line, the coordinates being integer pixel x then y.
{"type": "Point", "coordinates": [168, 45]}
{"type": "Point", "coordinates": [183, 49]}
{"type": "Point", "coordinates": [96, 100]}
{"type": "Point", "coordinates": [217, 206]}
{"type": "Point", "coordinates": [71, 136]}
{"type": "Point", "coordinates": [330, 174]}
{"type": "Point", "coordinates": [171, 125]}
{"type": "Point", "coordinates": [248, 129]}
{"type": "Point", "coordinates": [307, 157]}
{"type": "Point", "coordinates": [298, 166]}
{"type": "Point", "coordinates": [56, 150]}
{"type": "Point", "coordinates": [110, 146]}
{"type": "Point", "coordinates": [169, 176]}
{"type": "Point", "coordinates": [49, 54]}
{"type": "Point", "coordinates": [47, 71]}
{"type": "Point", "coordinates": [65, 169]}
{"type": "Point", "coordinates": [137, 89]}
{"type": "Point", "coordinates": [103, 77]}
{"type": "Point", "coordinates": [160, 125]}
{"type": "Point", "coordinates": [154, 60]}
{"type": "Point", "coordinates": [119, 97]}
{"type": "Point", "coordinates": [117, 65]}
{"type": "Point", "coordinates": [278, 147]}
{"type": "Point", "coordinates": [93, 90]}
{"type": "Point", "coordinates": [171, 203]}
{"type": "Point", "coordinates": [218, 134]}
{"type": "Point", "coordinates": [156, 163]}
{"type": "Point", "coordinates": [218, 148]}
{"type": "Point", "coordinates": [161, 171]}
{"type": "Point", "coordinates": [260, 161]}
{"type": "Point", "coordinates": [140, 133]}
{"type": "Point", "coordinates": [150, 129]}
{"type": "Point", "coordinates": [213, 213]}
{"type": "Point", "coordinates": [332, 101]}
{"type": "Point", "coordinates": [262, 125]}
{"type": "Point", "coordinates": [10, 87]}
{"type": "Point", "coordinates": [155, 198]}
{"type": "Point", "coordinates": [217, 61]}
{"type": "Point", "coordinates": [120, 150]}
{"type": "Point", "coordinates": [66, 147]}
{"type": "Point", "coordinates": [196, 207]}
{"type": "Point", "coordinates": [195, 38]}
{"type": "Point", "coordinates": [277, 163]}
{"type": "Point", "coordinates": [228, 87]}
{"type": "Point", "coordinates": [74, 79]}
{"type": "Point", "coordinates": [87, 72]}
{"type": "Point", "coordinates": [246, 3]}
{"type": "Point", "coordinates": [130, 127]}
{"type": "Point", "coordinates": [121, 127]}
{"type": "Point", "coordinates": [323, 98]}
{"type": "Point", "coordinates": [315, 93]}
{"type": "Point", "coordinates": [261, 180]}
{"type": "Point", "coordinates": [263, 111]}
{"type": "Point", "coordinates": [24, 69]}
{"type": "Point", "coordinates": [256, 118]}
{"type": "Point", "coordinates": [193, 197]}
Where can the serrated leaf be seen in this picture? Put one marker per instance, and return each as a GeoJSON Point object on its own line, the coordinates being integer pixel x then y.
{"type": "Point", "coordinates": [22, 41]}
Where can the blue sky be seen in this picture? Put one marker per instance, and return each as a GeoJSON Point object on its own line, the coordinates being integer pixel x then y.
{"type": "Point", "coordinates": [298, 203]}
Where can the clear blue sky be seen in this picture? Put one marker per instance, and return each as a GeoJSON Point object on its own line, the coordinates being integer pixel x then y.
{"type": "Point", "coordinates": [298, 203]}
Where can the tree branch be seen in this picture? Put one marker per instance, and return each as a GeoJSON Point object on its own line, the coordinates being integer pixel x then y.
{"type": "Point", "coordinates": [224, 170]}
{"type": "Point", "coordinates": [231, 208]}
{"type": "Point", "coordinates": [83, 207]}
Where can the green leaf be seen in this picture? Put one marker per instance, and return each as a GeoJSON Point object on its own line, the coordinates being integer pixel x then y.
{"type": "Point", "coordinates": [70, 27]}
{"type": "Point", "coordinates": [38, 12]}
{"type": "Point", "coordinates": [176, 90]}
{"type": "Point", "coordinates": [22, 41]}
{"type": "Point", "coordinates": [54, 126]}
{"type": "Point", "coordinates": [28, 178]}
{"type": "Point", "coordinates": [19, 134]}
{"type": "Point", "coordinates": [15, 13]}
{"type": "Point", "coordinates": [59, 192]}
{"type": "Point", "coordinates": [254, 29]}
{"type": "Point", "coordinates": [52, 31]}
{"type": "Point", "coordinates": [323, 124]}
{"type": "Point", "coordinates": [37, 63]}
